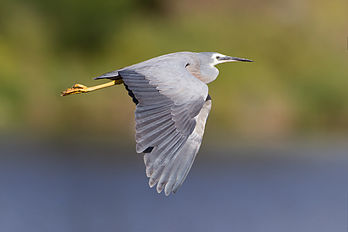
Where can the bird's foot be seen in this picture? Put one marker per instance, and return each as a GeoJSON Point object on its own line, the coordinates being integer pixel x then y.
{"type": "Point", "coordinates": [77, 88]}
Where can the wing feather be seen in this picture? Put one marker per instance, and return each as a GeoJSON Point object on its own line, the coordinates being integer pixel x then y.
{"type": "Point", "coordinates": [170, 101]}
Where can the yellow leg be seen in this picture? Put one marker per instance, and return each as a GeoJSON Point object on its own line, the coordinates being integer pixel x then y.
{"type": "Point", "coordinates": [78, 88]}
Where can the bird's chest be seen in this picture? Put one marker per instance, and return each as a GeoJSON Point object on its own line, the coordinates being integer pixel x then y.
{"type": "Point", "coordinates": [205, 75]}
{"type": "Point", "coordinates": [195, 71]}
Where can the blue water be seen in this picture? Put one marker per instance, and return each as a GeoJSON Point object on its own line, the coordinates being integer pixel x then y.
{"type": "Point", "coordinates": [71, 187]}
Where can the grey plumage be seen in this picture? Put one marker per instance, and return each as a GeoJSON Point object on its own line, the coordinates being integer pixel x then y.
{"type": "Point", "coordinates": [172, 106]}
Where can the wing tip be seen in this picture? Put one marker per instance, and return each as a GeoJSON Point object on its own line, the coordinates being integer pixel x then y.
{"type": "Point", "coordinates": [167, 193]}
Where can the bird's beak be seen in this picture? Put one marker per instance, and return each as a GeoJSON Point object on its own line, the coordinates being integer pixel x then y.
{"type": "Point", "coordinates": [231, 59]}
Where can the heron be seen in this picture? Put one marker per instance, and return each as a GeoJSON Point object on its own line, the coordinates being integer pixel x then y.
{"type": "Point", "coordinates": [172, 106]}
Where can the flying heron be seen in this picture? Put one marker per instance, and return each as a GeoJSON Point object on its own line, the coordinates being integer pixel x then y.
{"type": "Point", "coordinates": [172, 106]}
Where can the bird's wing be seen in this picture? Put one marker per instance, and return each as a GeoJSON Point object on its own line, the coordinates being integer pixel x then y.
{"type": "Point", "coordinates": [168, 117]}
{"type": "Point", "coordinates": [174, 174]}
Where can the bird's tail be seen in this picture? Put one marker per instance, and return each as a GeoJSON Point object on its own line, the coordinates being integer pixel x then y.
{"type": "Point", "coordinates": [109, 75]}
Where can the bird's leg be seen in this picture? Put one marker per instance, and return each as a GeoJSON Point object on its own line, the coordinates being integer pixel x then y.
{"type": "Point", "coordinates": [78, 88]}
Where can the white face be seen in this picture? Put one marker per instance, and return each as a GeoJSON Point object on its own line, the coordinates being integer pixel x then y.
{"type": "Point", "coordinates": [216, 57]}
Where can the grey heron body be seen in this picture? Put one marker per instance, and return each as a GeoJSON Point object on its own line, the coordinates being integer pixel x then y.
{"type": "Point", "coordinates": [172, 106]}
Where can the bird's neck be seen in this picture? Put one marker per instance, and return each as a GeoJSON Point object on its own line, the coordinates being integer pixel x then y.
{"type": "Point", "coordinates": [205, 73]}
{"type": "Point", "coordinates": [208, 73]}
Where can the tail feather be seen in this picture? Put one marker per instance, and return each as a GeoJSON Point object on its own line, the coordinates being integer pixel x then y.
{"type": "Point", "coordinates": [109, 75]}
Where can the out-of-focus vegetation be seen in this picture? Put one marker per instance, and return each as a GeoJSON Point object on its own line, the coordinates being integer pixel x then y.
{"type": "Point", "coordinates": [298, 84]}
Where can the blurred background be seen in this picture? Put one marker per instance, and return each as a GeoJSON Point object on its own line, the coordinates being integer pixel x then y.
{"type": "Point", "coordinates": [275, 151]}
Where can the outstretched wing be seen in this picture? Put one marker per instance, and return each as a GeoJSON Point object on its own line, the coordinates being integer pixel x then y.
{"type": "Point", "coordinates": [170, 116]}
{"type": "Point", "coordinates": [175, 172]}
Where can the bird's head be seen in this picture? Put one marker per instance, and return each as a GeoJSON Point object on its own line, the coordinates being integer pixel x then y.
{"type": "Point", "coordinates": [215, 58]}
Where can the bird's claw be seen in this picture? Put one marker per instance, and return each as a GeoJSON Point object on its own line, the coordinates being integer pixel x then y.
{"type": "Point", "coordinates": [77, 88]}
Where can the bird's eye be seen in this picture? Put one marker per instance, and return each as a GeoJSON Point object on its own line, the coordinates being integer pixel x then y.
{"type": "Point", "coordinates": [218, 57]}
